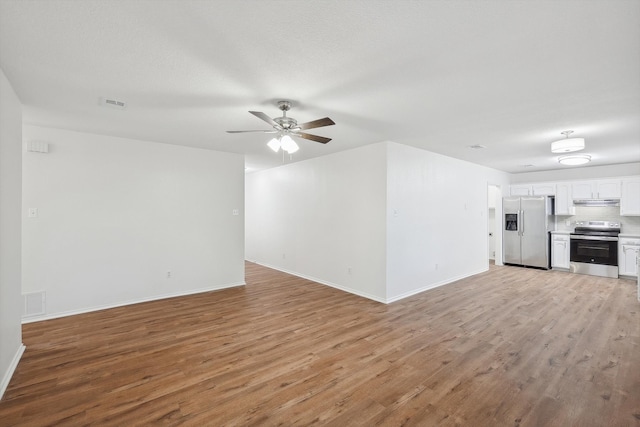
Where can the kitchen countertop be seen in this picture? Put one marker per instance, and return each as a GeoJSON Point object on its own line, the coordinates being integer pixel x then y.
{"type": "Point", "coordinates": [562, 232]}
{"type": "Point", "coordinates": [637, 236]}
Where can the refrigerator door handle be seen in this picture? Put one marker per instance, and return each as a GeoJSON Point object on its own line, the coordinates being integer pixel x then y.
{"type": "Point", "coordinates": [521, 222]}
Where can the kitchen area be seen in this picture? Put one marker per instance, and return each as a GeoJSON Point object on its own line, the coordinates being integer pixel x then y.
{"type": "Point", "coordinates": [582, 227]}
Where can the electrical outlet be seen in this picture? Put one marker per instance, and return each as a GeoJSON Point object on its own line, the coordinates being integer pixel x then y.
{"type": "Point", "coordinates": [32, 213]}
{"type": "Point", "coordinates": [168, 275]}
{"type": "Point", "coordinates": [349, 270]}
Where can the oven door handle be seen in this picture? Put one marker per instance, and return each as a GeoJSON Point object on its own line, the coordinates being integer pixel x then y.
{"type": "Point", "coordinates": [602, 238]}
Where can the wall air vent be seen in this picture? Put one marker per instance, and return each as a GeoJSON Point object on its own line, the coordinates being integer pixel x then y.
{"type": "Point", "coordinates": [34, 304]}
{"type": "Point", "coordinates": [113, 103]}
{"type": "Point", "coordinates": [477, 147]}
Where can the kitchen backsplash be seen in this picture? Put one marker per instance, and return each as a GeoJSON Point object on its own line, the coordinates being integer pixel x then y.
{"type": "Point", "coordinates": [628, 224]}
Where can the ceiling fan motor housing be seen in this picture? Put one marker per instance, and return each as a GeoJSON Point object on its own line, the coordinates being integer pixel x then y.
{"type": "Point", "coordinates": [286, 122]}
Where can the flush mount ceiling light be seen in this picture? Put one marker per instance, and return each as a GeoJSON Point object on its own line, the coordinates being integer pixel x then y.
{"type": "Point", "coordinates": [575, 160]}
{"type": "Point", "coordinates": [567, 145]}
{"type": "Point", "coordinates": [285, 142]}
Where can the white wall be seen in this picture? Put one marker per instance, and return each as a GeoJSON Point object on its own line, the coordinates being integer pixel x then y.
{"type": "Point", "coordinates": [577, 173]}
{"type": "Point", "coordinates": [11, 347]}
{"type": "Point", "coordinates": [388, 211]}
{"type": "Point", "coordinates": [319, 217]}
{"type": "Point", "coordinates": [115, 215]}
{"type": "Point", "coordinates": [437, 228]}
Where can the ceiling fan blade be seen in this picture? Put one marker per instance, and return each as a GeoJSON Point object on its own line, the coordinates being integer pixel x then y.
{"type": "Point", "coordinates": [316, 138]}
{"type": "Point", "coordinates": [243, 131]}
{"type": "Point", "coordinates": [317, 123]}
{"type": "Point", "coordinates": [263, 116]}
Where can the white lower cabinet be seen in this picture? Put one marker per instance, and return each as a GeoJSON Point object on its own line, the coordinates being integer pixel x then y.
{"type": "Point", "coordinates": [560, 251]}
{"type": "Point", "coordinates": [628, 249]}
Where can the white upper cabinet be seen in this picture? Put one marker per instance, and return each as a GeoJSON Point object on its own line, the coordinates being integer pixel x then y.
{"type": "Point", "coordinates": [541, 189]}
{"type": "Point", "coordinates": [601, 189]}
{"type": "Point", "coordinates": [627, 189]}
{"type": "Point", "coordinates": [630, 198]}
{"type": "Point", "coordinates": [582, 190]}
{"type": "Point", "coordinates": [564, 202]}
{"type": "Point", "coordinates": [608, 189]}
{"type": "Point", "coordinates": [544, 189]}
{"type": "Point", "coordinates": [521, 190]}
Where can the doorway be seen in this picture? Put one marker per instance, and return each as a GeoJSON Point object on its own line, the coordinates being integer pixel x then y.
{"type": "Point", "coordinates": [494, 196]}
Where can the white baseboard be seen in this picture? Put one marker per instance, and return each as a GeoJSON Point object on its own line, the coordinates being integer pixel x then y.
{"type": "Point", "coordinates": [130, 302]}
{"type": "Point", "coordinates": [370, 296]}
{"type": "Point", "coordinates": [12, 368]}
{"type": "Point", "coordinates": [324, 282]}
{"type": "Point", "coordinates": [433, 285]}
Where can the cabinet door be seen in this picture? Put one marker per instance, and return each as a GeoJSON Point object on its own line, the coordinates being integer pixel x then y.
{"type": "Point", "coordinates": [520, 190]}
{"type": "Point", "coordinates": [544, 189]}
{"type": "Point", "coordinates": [564, 202]}
{"type": "Point", "coordinates": [627, 260]}
{"type": "Point", "coordinates": [560, 252]}
{"type": "Point", "coordinates": [608, 189]}
{"type": "Point", "coordinates": [630, 197]}
{"type": "Point", "coordinates": [582, 190]}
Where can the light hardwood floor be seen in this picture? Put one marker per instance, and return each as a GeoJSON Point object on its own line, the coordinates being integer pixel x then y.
{"type": "Point", "coordinates": [510, 347]}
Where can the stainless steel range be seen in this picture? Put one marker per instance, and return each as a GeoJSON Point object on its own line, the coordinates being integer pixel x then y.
{"type": "Point", "coordinates": [594, 248]}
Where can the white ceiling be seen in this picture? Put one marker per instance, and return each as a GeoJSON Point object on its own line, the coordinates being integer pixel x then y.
{"type": "Point", "coordinates": [438, 75]}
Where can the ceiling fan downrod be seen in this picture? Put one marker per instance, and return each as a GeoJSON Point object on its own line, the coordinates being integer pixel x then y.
{"type": "Point", "coordinates": [287, 123]}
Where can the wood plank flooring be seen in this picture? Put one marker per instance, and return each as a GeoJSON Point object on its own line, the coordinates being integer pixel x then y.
{"type": "Point", "coordinates": [510, 347]}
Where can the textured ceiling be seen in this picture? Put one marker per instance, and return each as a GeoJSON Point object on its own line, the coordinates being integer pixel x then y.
{"type": "Point", "coordinates": [438, 75]}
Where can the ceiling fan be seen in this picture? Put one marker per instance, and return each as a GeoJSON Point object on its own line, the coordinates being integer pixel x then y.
{"type": "Point", "coordinates": [287, 127]}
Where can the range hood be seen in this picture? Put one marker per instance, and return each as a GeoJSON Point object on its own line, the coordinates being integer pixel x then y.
{"type": "Point", "coordinates": [596, 202]}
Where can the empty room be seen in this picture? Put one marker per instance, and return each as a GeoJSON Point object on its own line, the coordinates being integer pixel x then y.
{"type": "Point", "coordinates": [355, 213]}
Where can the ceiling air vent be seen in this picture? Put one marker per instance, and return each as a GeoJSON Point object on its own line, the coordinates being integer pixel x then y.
{"type": "Point", "coordinates": [477, 147]}
{"type": "Point", "coordinates": [113, 103]}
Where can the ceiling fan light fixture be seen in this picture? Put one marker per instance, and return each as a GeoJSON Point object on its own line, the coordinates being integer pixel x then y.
{"type": "Point", "coordinates": [274, 144]}
{"type": "Point", "coordinates": [574, 160]}
{"type": "Point", "coordinates": [567, 145]}
{"type": "Point", "coordinates": [288, 144]}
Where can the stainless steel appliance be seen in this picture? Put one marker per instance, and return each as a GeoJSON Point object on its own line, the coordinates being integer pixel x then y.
{"type": "Point", "coordinates": [525, 235]}
{"type": "Point", "coordinates": [594, 248]}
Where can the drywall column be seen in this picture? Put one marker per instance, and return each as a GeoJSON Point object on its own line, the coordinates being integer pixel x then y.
{"type": "Point", "coordinates": [437, 219]}
{"type": "Point", "coordinates": [11, 347]}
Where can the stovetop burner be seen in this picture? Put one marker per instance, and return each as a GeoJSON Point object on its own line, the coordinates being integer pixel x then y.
{"type": "Point", "coordinates": [597, 228]}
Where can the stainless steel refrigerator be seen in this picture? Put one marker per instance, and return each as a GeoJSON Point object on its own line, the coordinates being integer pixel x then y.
{"type": "Point", "coordinates": [525, 233]}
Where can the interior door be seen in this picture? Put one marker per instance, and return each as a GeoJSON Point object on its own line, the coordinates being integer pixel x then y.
{"type": "Point", "coordinates": [535, 238]}
{"type": "Point", "coordinates": [511, 231]}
